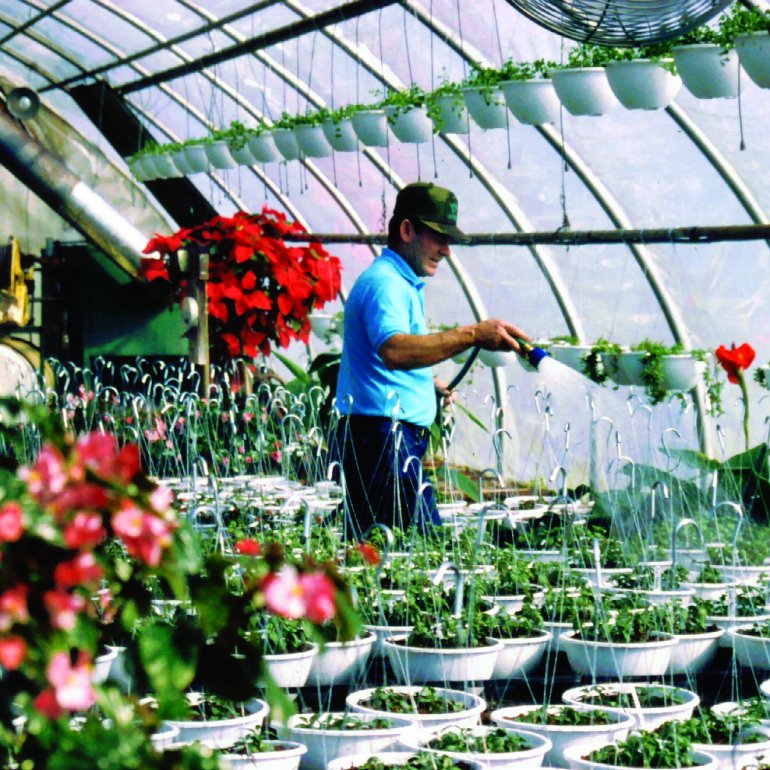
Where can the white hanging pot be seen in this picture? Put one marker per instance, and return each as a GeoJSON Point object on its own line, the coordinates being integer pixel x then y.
{"type": "Point", "coordinates": [468, 716]}
{"type": "Point", "coordinates": [641, 84]}
{"type": "Point", "coordinates": [102, 665]}
{"type": "Point", "coordinates": [749, 650]}
{"type": "Point", "coordinates": [382, 633]}
{"type": "Point", "coordinates": [618, 659]}
{"type": "Point", "coordinates": [563, 737]}
{"type": "Point", "coordinates": [418, 665]}
{"type": "Point", "coordinates": [286, 142]}
{"type": "Point", "coordinates": [222, 733]}
{"type": "Point", "coordinates": [681, 371]}
{"type": "Point", "coordinates": [452, 115]}
{"type": "Point", "coordinates": [646, 717]}
{"type": "Point", "coordinates": [709, 591]}
{"type": "Point", "coordinates": [412, 126]}
{"type": "Point", "coordinates": [281, 755]}
{"type": "Point", "coordinates": [141, 169]}
{"type": "Point", "coordinates": [312, 141]}
{"type": "Point", "coordinates": [494, 358]}
{"type": "Point", "coordinates": [532, 102]}
{"type": "Point", "coordinates": [487, 107]}
{"type": "Point", "coordinates": [340, 662]}
{"type": "Point", "coordinates": [629, 368]}
{"type": "Point", "coordinates": [371, 127]}
{"type": "Point", "coordinates": [165, 168]}
{"type": "Point", "coordinates": [693, 652]}
{"type": "Point", "coordinates": [291, 669]}
{"type": "Point", "coordinates": [195, 155]}
{"type": "Point", "coordinates": [728, 622]}
{"type": "Point", "coordinates": [570, 355]}
{"type": "Point", "coordinates": [736, 756]}
{"type": "Point", "coordinates": [262, 147]}
{"type": "Point", "coordinates": [519, 656]}
{"type": "Point", "coordinates": [754, 53]}
{"type": "Point", "coordinates": [584, 90]}
{"type": "Point", "coordinates": [340, 135]}
{"type": "Point", "coordinates": [242, 155]}
{"type": "Point", "coordinates": [180, 161]}
{"type": "Point", "coordinates": [701, 761]}
{"type": "Point", "coordinates": [706, 71]}
{"type": "Point", "coordinates": [219, 155]}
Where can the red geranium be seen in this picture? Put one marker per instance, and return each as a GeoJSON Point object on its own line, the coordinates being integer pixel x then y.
{"type": "Point", "coordinates": [260, 291]}
{"type": "Point", "coordinates": [734, 361]}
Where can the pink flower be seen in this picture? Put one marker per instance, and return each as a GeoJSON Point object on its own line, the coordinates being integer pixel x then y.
{"type": "Point", "coordinates": [144, 534]}
{"type": "Point", "coordinates": [319, 592]}
{"type": "Point", "coordinates": [99, 452]}
{"type": "Point", "coordinates": [71, 683]}
{"type": "Point", "coordinates": [47, 477]}
{"type": "Point", "coordinates": [13, 650]}
{"type": "Point", "coordinates": [85, 530]}
{"type": "Point", "coordinates": [83, 570]}
{"type": "Point", "coordinates": [13, 607]}
{"type": "Point", "coordinates": [161, 498]}
{"type": "Point", "coordinates": [159, 434]}
{"type": "Point", "coordinates": [247, 416]}
{"type": "Point", "coordinates": [283, 593]}
{"type": "Point", "coordinates": [11, 522]}
{"type": "Point", "coordinates": [63, 607]}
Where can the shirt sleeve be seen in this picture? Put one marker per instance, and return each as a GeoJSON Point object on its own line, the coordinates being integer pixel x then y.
{"type": "Point", "coordinates": [386, 312]}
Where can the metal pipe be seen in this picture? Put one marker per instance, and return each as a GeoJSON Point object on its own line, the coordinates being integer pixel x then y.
{"type": "Point", "coordinates": [69, 196]}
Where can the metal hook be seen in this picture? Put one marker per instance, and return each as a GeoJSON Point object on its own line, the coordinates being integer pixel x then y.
{"type": "Point", "coordinates": [669, 458]}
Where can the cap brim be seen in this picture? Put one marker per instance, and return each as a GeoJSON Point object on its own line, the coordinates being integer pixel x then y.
{"type": "Point", "coordinates": [454, 232]}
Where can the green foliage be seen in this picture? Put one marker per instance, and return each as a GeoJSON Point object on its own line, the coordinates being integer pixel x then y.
{"type": "Point", "coordinates": [425, 701]}
{"type": "Point", "coordinates": [403, 101]}
{"type": "Point", "coordinates": [343, 722]}
{"type": "Point", "coordinates": [463, 740]}
{"type": "Point", "coordinates": [645, 749]}
{"type": "Point", "coordinates": [600, 363]}
{"type": "Point", "coordinates": [647, 697]}
{"type": "Point", "coordinates": [565, 716]}
{"type": "Point", "coordinates": [741, 20]}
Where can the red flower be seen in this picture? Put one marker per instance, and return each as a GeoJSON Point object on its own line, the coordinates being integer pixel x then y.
{"type": "Point", "coordinates": [735, 360]}
{"type": "Point", "coordinates": [13, 650]}
{"type": "Point", "coordinates": [369, 553]}
{"type": "Point", "coordinates": [82, 570]}
{"type": "Point", "coordinates": [248, 547]}
{"type": "Point", "coordinates": [85, 530]}
{"type": "Point", "coordinates": [11, 522]}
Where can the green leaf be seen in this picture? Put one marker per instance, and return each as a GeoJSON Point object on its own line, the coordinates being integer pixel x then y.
{"type": "Point", "coordinates": [281, 707]}
{"type": "Point", "coordinates": [169, 657]}
{"type": "Point", "coordinates": [466, 485]}
{"type": "Point", "coordinates": [297, 371]}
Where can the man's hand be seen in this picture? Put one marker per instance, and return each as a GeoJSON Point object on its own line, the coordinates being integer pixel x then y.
{"type": "Point", "coordinates": [448, 396]}
{"type": "Point", "coordinates": [494, 334]}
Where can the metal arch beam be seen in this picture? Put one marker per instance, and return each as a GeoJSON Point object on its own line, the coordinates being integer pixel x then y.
{"type": "Point", "coordinates": [33, 20]}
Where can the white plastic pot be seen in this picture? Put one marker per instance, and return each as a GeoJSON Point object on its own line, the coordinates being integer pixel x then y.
{"type": "Point", "coordinates": [519, 656]}
{"type": "Point", "coordinates": [706, 72]}
{"type": "Point", "coordinates": [222, 733]}
{"type": "Point", "coordinates": [641, 84]}
{"type": "Point", "coordinates": [286, 142]}
{"type": "Point", "coordinates": [219, 155]}
{"type": "Point", "coordinates": [737, 756]}
{"type": "Point", "coordinates": [754, 53]}
{"type": "Point", "coordinates": [584, 90]}
{"type": "Point", "coordinates": [413, 126]}
{"type": "Point", "coordinates": [474, 705]}
{"type": "Point", "coordinates": [389, 758]}
{"type": "Point", "coordinates": [452, 115]}
{"type": "Point", "coordinates": [291, 669]}
{"type": "Point", "coordinates": [180, 161]}
{"type": "Point", "coordinates": [532, 102]}
{"type": "Point", "coordinates": [487, 107]}
{"type": "Point", "coordinates": [693, 652]}
{"type": "Point", "coordinates": [570, 355]}
{"type": "Point", "coordinates": [563, 737]}
{"type": "Point", "coordinates": [286, 755]}
{"type": "Point", "coordinates": [196, 157]}
{"type": "Point", "coordinates": [312, 141]}
{"type": "Point", "coordinates": [728, 622]}
{"type": "Point", "coordinates": [340, 662]}
{"type": "Point", "coordinates": [263, 148]}
{"type": "Point", "coordinates": [340, 135]}
{"type": "Point", "coordinates": [646, 718]}
{"type": "Point", "coordinates": [416, 665]}
{"type": "Point", "coordinates": [371, 127]}
{"type": "Point", "coordinates": [617, 659]}
{"type": "Point", "coordinates": [325, 745]}
{"type": "Point", "coordinates": [495, 358]}
{"type": "Point", "coordinates": [703, 761]}
{"type": "Point", "coordinates": [750, 651]}
{"type": "Point", "coordinates": [242, 155]}
{"type": "Point", "coordinates": [165, 168]}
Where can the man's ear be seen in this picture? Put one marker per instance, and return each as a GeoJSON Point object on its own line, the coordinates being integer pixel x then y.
{"type": "Point", "coordinates": [406, 230]}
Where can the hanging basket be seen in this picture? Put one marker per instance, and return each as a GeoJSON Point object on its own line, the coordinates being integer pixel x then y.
{"type": "Point", "coordinates": [196, 157]}
{"type": "Point", "coordinates": [312, 142]}
{"type": "Point", "coordinates": [452, 115]}
{"type": "Point", "coordinates": [413, 126]}
{"type": "Point", "coordinates": [754, 53]}
{"type": "Point", "coordinates": [340, 135]}
{"type": "Point", "coordinates": [165, 168]}
{"type": "Point", "coordinates": [180, 161]}
{"type": "Point", "coordinates": [263, 148]}
{"type": "Point", "coordinates": [532, 102]}
{"type": "Point", "coordinates": [584, 90]}
{"type": "Point", "coordinates": [242, 156]}
{"type": "Point", "coordinates": [219, 155]}
{"type": "Point", "coordinates": [487, 107]}
{"type": "Point", "coordinates": [141, 169]}
{"type": "Point", "coordinates": [707, 72]}
{"type": "Point", "coordinates": [371, 127]}
{"type": "Point", "coordinates": [286, 143]}
{"type": "Point", "coordinates": [642, 84]}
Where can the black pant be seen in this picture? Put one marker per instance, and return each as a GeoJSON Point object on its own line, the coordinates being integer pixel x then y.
{"type": "Point", "coordinates": [374, 452]}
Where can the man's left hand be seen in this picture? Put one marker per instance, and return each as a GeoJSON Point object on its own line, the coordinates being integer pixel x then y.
{"type": "Point", "coordinates": [448, 396]}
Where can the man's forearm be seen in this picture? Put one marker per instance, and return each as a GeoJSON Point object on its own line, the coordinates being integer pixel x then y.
{"type": "Point", "coordinates": [415, 351]}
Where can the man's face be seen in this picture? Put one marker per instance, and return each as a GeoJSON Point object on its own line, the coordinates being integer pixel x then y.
{"type": "Point", "coordinates": [424, 249]}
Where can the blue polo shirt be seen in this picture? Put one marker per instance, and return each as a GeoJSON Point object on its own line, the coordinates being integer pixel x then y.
{"type": "Point", "coordinates": [386, 299]}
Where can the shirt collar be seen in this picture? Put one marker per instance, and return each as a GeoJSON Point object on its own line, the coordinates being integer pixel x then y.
{"type": "Point", "coordinates": [403, 267]}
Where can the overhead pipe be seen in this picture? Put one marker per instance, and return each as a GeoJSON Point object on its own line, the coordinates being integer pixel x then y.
{"type": "Point", "coordinates": [69, 196]}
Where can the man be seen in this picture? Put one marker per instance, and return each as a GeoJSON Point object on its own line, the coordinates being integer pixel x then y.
{"type": "Point", "coordinates": [385, 392]}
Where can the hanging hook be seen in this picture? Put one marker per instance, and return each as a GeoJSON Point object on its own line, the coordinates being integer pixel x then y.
{"type": "Point", "coordinates": [669, 458]}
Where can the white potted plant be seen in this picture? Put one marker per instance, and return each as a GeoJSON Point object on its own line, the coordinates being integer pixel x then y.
{"type": "Point", "coordinates": [447, 110]}
{"type": "Point", "coordinates": [529, 92]}
{"type": "Point", "coordinates": [408, 115]}
{"type": "Point", "coordinates": [644, 78]}
{"type": "Point", "coordinates": [582, 85]}
{"type": "Point", "coordinates": [709, 68]}
{"type": "Point", "coordinates": [484, 99]}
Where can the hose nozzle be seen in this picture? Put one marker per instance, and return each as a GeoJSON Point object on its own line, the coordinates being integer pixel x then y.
{"type": "Point", "coordinates": [533, 355]}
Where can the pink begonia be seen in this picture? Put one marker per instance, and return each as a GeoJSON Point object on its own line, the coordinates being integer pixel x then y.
{"type": "Point", "coordinates": [161, 498]}
{"type": "Point", "coordinates": [48, 476]}
{"type": "Point", "coordinates": [159, 434]}
{"type": "Point", "coordinates": [63, 608]}
{"type": "Point", "coordinates": [85, 530]}
{"type": "Point", "coordinates": [145, 535]}
{"type": "Point", "coordinates": [283, 593]}
{"type": "Point", "coordinates": [71, 684]}
{"type": "Point", "coordinates": [100, 453]}
{"type": "Point", "coordinates": [319, 592]}
{"type": "Point", "coordinates": [13, 650]}
{"type": "Point", "coordinates": [13, 607]}
{"type": "Point", "coordinates": [83, 570]}
{"type": "Point", "coordinates": [11, 522]}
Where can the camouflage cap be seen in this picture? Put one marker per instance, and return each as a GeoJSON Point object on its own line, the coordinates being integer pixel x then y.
{"type": "Point", "coordinates": [434, 206]}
